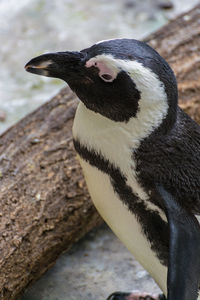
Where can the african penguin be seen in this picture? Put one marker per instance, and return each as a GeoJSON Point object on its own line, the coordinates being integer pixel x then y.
{"type": "Point", "coordinates": [140, 155]}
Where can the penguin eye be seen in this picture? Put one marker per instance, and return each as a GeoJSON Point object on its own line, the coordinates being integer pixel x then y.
{"type": "Point", "coordinates": [105, 71]}
{"type": "Point", "coordinates": [106, 77]}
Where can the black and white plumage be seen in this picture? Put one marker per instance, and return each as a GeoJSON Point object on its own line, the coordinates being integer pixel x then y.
{"type": "Point", "coordinates": [140, 154]}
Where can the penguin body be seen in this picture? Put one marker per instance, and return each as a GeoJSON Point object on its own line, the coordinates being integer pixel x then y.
{"type": "Point", "coordinates": [104, 178]}
{"type": "Point", "coordinates": [140, 155]}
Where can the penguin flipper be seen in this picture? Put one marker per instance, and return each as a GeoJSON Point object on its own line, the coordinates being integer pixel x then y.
{"type": "Point", "coordinates": [184, 250]}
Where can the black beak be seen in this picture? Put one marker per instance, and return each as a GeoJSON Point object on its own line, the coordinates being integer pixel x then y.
{"type": "Point", "coordinates": [61, 65]}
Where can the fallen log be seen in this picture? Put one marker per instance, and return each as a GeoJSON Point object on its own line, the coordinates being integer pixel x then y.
{"type": "Point", "coordinates": [45, 206]}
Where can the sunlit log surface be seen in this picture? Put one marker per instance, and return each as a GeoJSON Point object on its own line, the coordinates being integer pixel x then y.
{"type": "Point", "coordinates": [45, 206]}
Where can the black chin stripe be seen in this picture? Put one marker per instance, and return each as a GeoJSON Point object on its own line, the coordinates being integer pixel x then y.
{"type": "Point", "coordinates": [153, 226]}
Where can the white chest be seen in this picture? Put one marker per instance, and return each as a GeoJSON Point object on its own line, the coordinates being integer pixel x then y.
{"type": "Point", "coordinates": [122, 222]}
{"type": "Point", "coordinates": [115, 142]}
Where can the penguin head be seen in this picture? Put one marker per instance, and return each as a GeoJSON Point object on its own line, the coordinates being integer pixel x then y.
{"type": "Point", "coordinates": [116, 78]}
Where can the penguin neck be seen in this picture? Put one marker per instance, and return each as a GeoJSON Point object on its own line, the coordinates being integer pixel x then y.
{"type": "Point", "coordinates": [168, 122]}
{"type": "Point", "coordinates": [106, 136]}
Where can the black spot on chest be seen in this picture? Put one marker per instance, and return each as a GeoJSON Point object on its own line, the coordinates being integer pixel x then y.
{"type": "Point", "coordinates": [153, 226]}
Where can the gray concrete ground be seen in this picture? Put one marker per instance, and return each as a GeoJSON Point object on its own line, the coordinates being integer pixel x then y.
{"type": "Point", "coordinates": [95, 267]}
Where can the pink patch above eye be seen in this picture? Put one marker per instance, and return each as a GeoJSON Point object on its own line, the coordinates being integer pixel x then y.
{"type": "Point", "coordinates": [105, 72]}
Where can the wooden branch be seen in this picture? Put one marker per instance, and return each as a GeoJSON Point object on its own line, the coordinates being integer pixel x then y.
{"type": "Point", "coordinates": [45, 206]}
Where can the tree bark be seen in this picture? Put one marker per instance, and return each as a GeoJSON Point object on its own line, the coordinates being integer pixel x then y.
{"type": "Point", "coordinates": [179, 43]}
{"type": "Point", "coordinates": [45, 206]}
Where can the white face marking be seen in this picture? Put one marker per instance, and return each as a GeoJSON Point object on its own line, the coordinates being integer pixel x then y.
{"type": "Point", "coordinates": [146, 81]}
{"type": "Point", "coordinates": [99, 42]}
{"type": "Point", "coordinates": [117, 141]}
{"type": "Point", "coordinates": [107, 72]}
{"type": "Point", "coordinates": [105, 65]}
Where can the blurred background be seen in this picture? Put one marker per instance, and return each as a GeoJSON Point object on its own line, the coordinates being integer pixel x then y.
{"type": "Point", "coordinates": [31, 27]}
{"type": "Point", "coordinates": [99, 264]}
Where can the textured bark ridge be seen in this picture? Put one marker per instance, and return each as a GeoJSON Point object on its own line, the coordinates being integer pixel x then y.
{"type": "Point", "coordinates": [179, 43]}
{"type": "Point", "coordinates": [45, 206]}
